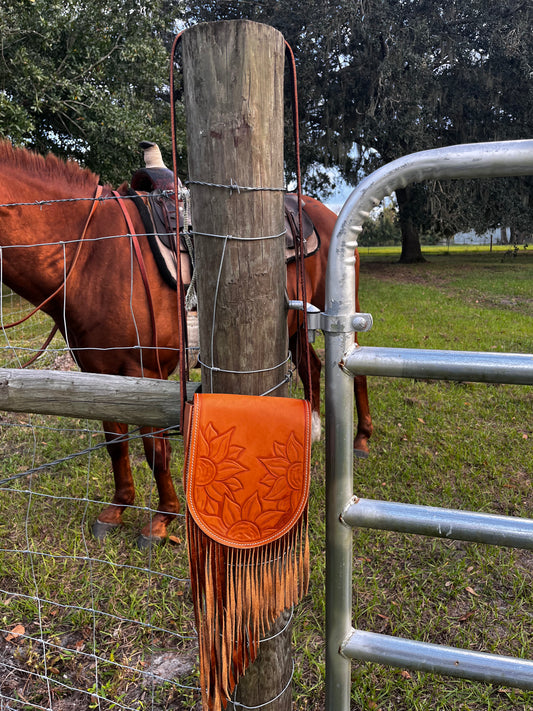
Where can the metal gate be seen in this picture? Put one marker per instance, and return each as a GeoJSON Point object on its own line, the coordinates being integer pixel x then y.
{"type": "Point", "coordinates": [343, 360]}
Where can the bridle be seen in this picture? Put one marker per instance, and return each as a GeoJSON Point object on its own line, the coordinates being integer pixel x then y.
{"type": "Point", "coordinates": [299, 248]}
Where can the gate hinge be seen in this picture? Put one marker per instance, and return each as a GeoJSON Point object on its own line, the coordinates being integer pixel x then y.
{"type": "Point", "coordinates": [318, 320]}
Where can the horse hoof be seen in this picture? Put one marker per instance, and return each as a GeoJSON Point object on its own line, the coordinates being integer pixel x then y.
{"type": "Point", "coordinates": [360, 454]}
{"type": "Point", "coordinates": [146, 542]}
{"type": "Point", "coordinates": [100, 529]}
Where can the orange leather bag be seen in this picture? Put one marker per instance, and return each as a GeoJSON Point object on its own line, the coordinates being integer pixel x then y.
{"type": "Point", "coordinates": [247, 485]}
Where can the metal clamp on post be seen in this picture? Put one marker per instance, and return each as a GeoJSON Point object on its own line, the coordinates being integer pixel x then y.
{"type": "Point", "coordinates": [346, 324]}
{"type": "Point", "coordinates": [313, 316]}
{"type": "Point", "coordinates": [317, 320]}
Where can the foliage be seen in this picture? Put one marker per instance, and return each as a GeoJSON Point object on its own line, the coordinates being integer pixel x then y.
{"type": "Point", "coordinates": [89, 80]}
{"type": "Point", "coordinates": [397, 77]}
{"type": "Point", "coordinates": [383, 230]}
{"type": "Point", "coordinates": [86, 79]}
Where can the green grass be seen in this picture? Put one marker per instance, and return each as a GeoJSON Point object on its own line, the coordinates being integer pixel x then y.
{"type": "Point", "coordinates": [458, 445]}
{"type": "Point", "coordinates": [105, 612]}
{"type": "Point", "coordinates": [499, 250]}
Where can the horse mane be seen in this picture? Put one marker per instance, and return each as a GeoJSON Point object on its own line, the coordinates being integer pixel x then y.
{"type": "Point", "coordinates": [49, 167]}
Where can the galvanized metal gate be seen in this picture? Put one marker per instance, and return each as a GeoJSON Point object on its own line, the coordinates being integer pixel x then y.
{"type": "Point", "coordinates": [344, 510]}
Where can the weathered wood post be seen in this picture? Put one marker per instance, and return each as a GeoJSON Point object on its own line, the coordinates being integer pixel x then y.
{"type": "Point", "coordinates": [233, 79]}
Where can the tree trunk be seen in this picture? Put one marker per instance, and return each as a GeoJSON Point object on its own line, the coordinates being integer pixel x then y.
{"type": "Point", "coordinates": [411, 250]}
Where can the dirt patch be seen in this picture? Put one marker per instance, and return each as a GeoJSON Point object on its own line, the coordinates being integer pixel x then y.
{"type": "Point", "coordinates": [453, 278]}
{"type": "Point", "coordinates": [427, 273]}
{"type": "Point", "coordinates": [66, 681]}
{"type": "Point", "coordinates": [64, 362]}
{"type": "Point", "coordinates": [169, 665]}
{"type": "Point", "coordinates": [423, 274]}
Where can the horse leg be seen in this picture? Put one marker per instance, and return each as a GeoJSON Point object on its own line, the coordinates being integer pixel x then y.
{"type": "Point", "coordinates": [364, 421]}
{"type": "Point", "coordinates": [157, 452]}
{"type": "Point", "coordinates": [117, 446]}
{"type": "Point", "coordinates": [298, 354]}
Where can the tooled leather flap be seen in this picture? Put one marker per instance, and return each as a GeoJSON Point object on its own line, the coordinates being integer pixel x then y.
{"type": "Point", "coordinates": [248, 464]}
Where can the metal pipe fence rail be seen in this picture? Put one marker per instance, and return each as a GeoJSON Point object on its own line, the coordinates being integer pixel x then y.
{"type": "Point", "coordinates": [343, 510]}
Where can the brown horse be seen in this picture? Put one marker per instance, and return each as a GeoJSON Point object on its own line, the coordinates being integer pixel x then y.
{"type": "Point", "coordinates": [315, 269]}
{"type": "Point", "coordinates": [66, 252]}
{"type": "Point", "coordinates": [102, 310]}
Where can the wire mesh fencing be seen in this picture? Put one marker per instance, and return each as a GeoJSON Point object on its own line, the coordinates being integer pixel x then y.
{"type": "Point", "coordinates": [83, 624]}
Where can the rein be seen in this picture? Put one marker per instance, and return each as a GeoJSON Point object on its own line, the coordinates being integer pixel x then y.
{"type": "Point", "coordinates": [55, 328]}
{"type": "Point", "coordinates": [182, 316]}
{"type": "Point", "coordinates": [144, 275]}
{"type": "Point", "coordinates": [298, 241]}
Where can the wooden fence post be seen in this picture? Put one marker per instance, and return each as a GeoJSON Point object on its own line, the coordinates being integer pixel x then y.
{"type": "Point", "coordinates": [233, 79]}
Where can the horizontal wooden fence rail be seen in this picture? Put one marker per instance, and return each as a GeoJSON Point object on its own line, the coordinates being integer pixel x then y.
{"type": "Point", "coordinates": [135, 401]}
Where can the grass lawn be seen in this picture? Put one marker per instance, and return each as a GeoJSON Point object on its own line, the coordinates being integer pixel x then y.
{"type": "Point", "coordinates": [83, 625]}
{"type": "Point", "coordinates": [458, 445]}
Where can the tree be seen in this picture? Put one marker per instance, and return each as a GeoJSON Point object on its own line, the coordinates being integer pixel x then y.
{"type": "Point", "coordinates": [486, 94]}
{"type": "Point", "coordinates": [381, 230]}
{"type": "Point", "coordinates": [401, 76]}
{"type": "Point", "coordinates": [86, 79]}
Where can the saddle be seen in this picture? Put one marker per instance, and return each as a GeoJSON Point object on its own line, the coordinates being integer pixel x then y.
{"type": "Point", "coordinates": [155, 182]}
{"type": "Point", "coordinates": [247, 475]}
{"type": "Point", "coordinates": [310, 237]}
{"type": "Point", "coordinates": [158, 212]}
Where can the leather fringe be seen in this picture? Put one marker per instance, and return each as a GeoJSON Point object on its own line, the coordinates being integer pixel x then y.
{"type": "Point", "coordinates": [238, 594]}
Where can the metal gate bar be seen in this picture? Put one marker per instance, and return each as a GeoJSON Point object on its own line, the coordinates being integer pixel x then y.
{"type": "Point", "coordinates": [467, 161]}
{"type": "Point", "coordinates": [468, 366]}
{"type": "Point", "coordinates": [439, 659]}
{"type": "Point", "coordinates": [457, 525]}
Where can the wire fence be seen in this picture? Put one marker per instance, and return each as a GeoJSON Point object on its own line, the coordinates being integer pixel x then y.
{"type": "Point", "coordinates": [104, 625]}
{"type": "Point", "coordinates": [83, 624]}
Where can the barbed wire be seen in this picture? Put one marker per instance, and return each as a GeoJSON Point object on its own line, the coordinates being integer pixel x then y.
{"type": "Point", "coordinates": [233, 186]}
{"type": "Point", "coordinates": [239, 239]}
{"type": "Point", "coordinates": [76, 240]}
{"type": "Point", "coordinates": [102, 198]}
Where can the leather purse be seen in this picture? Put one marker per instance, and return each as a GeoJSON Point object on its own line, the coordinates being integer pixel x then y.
{"type": "Point", "coordinates": [247, 475]}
